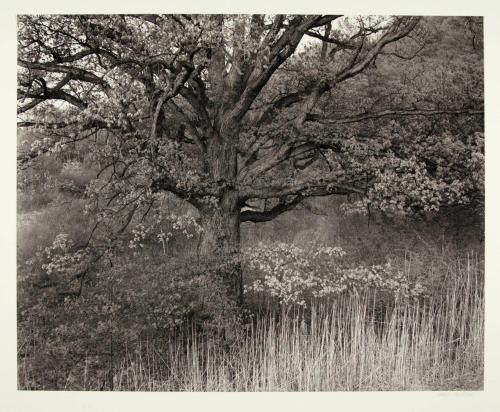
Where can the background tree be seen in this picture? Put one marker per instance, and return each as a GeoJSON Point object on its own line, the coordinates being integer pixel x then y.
{"type": "Point", "coordinates": [244, 117]}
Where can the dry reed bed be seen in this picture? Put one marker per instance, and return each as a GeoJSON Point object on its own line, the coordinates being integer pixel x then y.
{"type": "Point", "coordinates": [345, 346]}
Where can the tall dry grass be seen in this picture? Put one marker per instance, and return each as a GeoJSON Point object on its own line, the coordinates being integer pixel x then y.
{"type": "Point", "coordinates": [346, 345]}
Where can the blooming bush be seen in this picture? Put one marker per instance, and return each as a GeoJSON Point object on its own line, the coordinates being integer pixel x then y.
{"type": "Point", "coordinates": [297, 275]}
{"type": "Point", "coordinates": [165, 228]}
{"type": "Point", "coordinates": [58, 259]}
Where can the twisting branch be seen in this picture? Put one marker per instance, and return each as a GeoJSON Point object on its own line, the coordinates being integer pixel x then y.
{"type": "Point", "coordinates": [274, 55]}
{"type": "Point", "coordinates": [320, 187]}
{"type": "Point", "coordinates": [75, 73]}
{"type": "Point", "coordinates": [267, 215]}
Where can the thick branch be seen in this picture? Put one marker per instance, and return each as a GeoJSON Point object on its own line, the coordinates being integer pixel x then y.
{"type": "Point", "coordinates": [76, 73]}
{"type": "Point", "coordinates": [390, 113]}
{"type": "Point", "coordinates": [267, 215]}
{"type": "Point", "coordinates": [192, 194]}
{"type": "Point", "coordinates": [51, 94]}
{"type": "Point", "coordinates": [322, 187]}
{"type": "Point", "coordinates": [278, 53]}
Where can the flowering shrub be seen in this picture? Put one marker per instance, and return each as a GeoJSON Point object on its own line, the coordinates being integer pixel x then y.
{"type": "Point", "coordinates": [60, 257]}
{"type": "Point", "coordinates": [296, 275]}
{"type": "Point", "coordinates": [165, 228]}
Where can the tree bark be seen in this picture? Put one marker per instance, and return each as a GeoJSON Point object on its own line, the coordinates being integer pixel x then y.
{"type": "Point", "coordinates": [220, 242]}
{"type": "Point", "coordinates": [221, 226]}
{"type": "Point", "coordinates": [220, 217]}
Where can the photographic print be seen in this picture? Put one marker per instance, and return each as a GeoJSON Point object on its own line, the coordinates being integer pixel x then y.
{"type": "Point", "coordinates": [250, 203]}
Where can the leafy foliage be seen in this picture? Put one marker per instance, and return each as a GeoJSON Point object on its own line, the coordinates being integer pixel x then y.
{"type": "Point", "coordinates": [300, 275]}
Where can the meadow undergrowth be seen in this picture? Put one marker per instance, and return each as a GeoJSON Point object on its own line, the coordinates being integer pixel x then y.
{"type": "Point", "coordinates": [345, 345]}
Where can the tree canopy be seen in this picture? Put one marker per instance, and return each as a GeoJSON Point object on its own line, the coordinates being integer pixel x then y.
{"type": "Point", "coordinates": [246, 116]}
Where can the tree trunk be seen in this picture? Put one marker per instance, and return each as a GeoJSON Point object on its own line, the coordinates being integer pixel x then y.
{"type": "Point", "coordinates": [220, 218]}
{"type": "Point", "coordinates": [220, 241]}
{"type": "Point", "coordinates": [221, 227]}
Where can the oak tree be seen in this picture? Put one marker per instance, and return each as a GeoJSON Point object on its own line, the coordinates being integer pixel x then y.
{"type": "Point", "coordinates": [246, 116]}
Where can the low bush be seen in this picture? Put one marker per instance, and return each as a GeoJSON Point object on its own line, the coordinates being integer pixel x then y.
{"type": "Point", "coordinates": [121, 302]}
{"type": "Point", "coordinates": [300, 275]}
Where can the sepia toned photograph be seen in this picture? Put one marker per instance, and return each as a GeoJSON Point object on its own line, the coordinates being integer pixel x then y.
{"type": "Point", "coordinates": [250, 203]}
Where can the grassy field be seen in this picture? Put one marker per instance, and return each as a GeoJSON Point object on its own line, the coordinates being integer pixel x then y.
{"type": "Point", "coordinates": [347, 345]}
